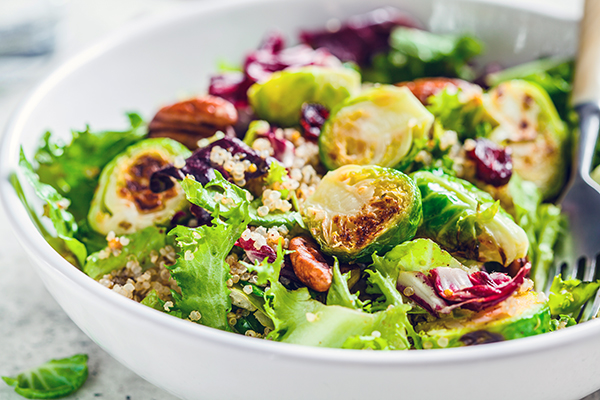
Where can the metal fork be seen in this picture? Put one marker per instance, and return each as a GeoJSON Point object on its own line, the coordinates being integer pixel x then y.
{"type": "Point", "coordinates": [581, 199]}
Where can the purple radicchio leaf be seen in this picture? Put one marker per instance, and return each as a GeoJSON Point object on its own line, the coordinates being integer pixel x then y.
{"type": "Point", "coordinates": [362, 36]}
{"type": "Point", "coordinates": [449, 288]}
{"type": "Point", "coordinates": [200, 166]}
{"type": "Point", "coordinates": [255, 254]}
{"type": "Point", "coordinates": [271, 56]}
{"type": "Point", "coordinates": [418, 287]}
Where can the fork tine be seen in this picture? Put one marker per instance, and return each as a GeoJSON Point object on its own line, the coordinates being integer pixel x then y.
{"type": "Point", "coordinates": [591, 309]}
{"type": "Point", "coordinates": [590, 271]}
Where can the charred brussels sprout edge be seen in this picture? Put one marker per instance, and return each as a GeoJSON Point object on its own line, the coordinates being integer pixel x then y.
{"type": "Point", "coordinates": [123, 202]}
{"type": "Point", "coordinates": [358, 210]}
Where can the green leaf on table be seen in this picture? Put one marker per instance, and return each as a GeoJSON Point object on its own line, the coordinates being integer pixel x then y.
{"type": "Point", "coordinates": [51, 380]}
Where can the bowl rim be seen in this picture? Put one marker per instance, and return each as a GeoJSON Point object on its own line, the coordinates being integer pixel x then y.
{"type": "Point", "coordinates": [37, 247]}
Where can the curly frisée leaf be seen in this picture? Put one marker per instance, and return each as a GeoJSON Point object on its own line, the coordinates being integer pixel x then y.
{"type": "Point", "coordinates": [51, 380]}
{"type": "Point", "coordinates": [301, 320]}
{"type": "Point", "coordinates": [220, 192]}
{"type": "Point", "coordinates": [73, 169]}
{"type": "Point", "coordinates": [55, 209]}
{"type": "Point", "coordinates": [201, 271]}
{"type": "Point", "coordinates": [567, 296]}
{"type": "Point", "coordinates": [339, 293]}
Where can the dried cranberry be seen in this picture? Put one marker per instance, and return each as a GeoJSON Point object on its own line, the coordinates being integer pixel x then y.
{"type": "Point", "coordinates": [493, 163]}
{"type": "Point", "coordinates": [312, 118]}
{"type": "Point", "coordinates": [271, 56]}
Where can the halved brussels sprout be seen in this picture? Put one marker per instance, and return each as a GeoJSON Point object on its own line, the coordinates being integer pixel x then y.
{"type": "Point", "coordinates": [531, 127]}
{"type": "Point", "coordinates": [522, 315]}
{"type": "Point", "coordinates": [279, 100]}
{"type": "Point", "coordinates": [377, 127]}
{"type": "Point", "coordinates": [466, 221]}
{"type": "Point", "coordinates": [358, 210]}
{"type": "Point", "coordinates": [123, 202]}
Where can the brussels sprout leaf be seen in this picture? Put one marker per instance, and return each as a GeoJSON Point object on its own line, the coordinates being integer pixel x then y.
{"type": "Point", "coordinates": [55, 209]}
{"type": "Point", "coordinates": [51, 380]}
{"type": "Point", "coordinates": [140, 245]}
{"type": "Point", "coordinates": [567, 296]}
{"type": "Point", "coordinates": [73, 169]}
{"type": "Point", "coordinates": [554, 75]}
{"type": "Point", "coordinates": [201, 271]}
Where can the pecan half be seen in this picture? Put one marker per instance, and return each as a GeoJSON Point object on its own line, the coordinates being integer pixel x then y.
{"type": "Point", "coordinates": [309, 264]}
{"type": "Point", "coordinates": [194, 119]}
{"type": "Point", "coordinates": [423, 88]}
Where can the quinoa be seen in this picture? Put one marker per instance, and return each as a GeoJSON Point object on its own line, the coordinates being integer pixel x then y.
{"type": "Point", "coordinates": [134, 283]}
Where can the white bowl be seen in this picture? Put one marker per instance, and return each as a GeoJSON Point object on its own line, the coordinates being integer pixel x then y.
{"type": "Point", "coordinates": [156, 61]}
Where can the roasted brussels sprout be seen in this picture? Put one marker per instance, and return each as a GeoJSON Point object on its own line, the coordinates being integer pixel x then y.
{"type": "Point", "coordinates": [531, 128]}
{"type": "Point", "coordinates": [377, 127]}
{"type": "Point", "coordinates": [358, 210]}
{"type": "Point", "coordinates": [279, 100]}
{"type": "Point", "coordinates": [123, 202]}
{"type": "Point", "coordinates": [522, 315]}
{"type": "Point", "coordinates": [466, 221]}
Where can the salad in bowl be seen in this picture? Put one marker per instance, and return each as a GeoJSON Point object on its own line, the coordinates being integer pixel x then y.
{"type": "Point", "coordinates": [368, 188]}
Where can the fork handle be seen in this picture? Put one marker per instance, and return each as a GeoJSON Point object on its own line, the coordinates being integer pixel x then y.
{"type": "Point", "coordinates": [586, 86]}
{"type": "Point", "coordinates": [586, 89]}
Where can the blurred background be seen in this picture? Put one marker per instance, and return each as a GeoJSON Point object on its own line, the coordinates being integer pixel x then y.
{"type": "Point", "coordinates": [36, 36]}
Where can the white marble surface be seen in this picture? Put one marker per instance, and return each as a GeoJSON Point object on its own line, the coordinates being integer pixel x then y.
{"type": "Point", "coordinates": [33, 328]}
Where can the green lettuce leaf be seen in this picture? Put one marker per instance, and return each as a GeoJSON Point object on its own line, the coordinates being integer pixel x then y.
{"type": "Point", "coordinates": [205, 198]}
{"type": "Point", "coordinates": [299, 319]}
{"type": "Point", "coordinates": [73, 169]}
{"type": "Point", "coordinates": [152, 300]}
{"type": "Point", "coordinates": [418, 255]}
{"type": "Point", "coordinates": [51, 380]}
{"type": "Point", "coordinates": [468, 119]}
{"type": "Point", "coordinates": [563, 321]}
{"type": "Point", "coordinates": [416, 54]}
{"type": "Point", "coordinates": [55, 208]}
{"type": "Point", "coordinates": [339, 293]}
{"type": "Point", "coordinates": [568, 296]}
{"type": "Point", "coordinates": [201, 271]}
{"type": "Point", "coordinates": [542, 222]}
{"type": "Point", "coordinates": [140, 245]}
